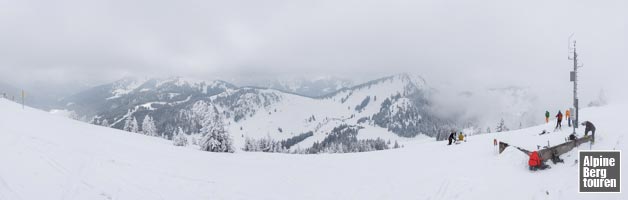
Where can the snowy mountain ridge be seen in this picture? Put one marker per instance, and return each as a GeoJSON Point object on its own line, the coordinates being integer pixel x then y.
{"type": "Point", "coordinates": [315, 87]}
{"type": "Point", "coordinates": [399, 104]}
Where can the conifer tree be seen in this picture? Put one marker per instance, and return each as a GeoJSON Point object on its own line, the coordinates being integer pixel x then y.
{"type": "Point", "coordinates": [148, 126]}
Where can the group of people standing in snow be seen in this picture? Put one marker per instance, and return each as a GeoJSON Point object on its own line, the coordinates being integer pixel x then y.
{"type": "Point", "coordinates": [559, 118]}
{"type": "Point", "coordinates": [589, 127]}
{"type": "Point", "coordinates": [452, 137]}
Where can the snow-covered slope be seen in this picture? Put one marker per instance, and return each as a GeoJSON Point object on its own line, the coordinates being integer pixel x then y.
{"type": "Point", "coordinates": [44, 156]}
{"type": "Point", "coordinates": [394, 108]}
{"type": "Point", "coordinates": [110, 101]}
{"type": "Point", "coordinates": [391, 107]}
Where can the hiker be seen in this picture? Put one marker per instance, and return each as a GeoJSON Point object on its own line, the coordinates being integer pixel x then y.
{"type": "Point", "coordinates": [568, 116]}
{"type": "Point", "coordinates": [452, 137]}
{"type": "Point", "coordinates": [559, 123]}
{"type": "Point", "coordinates": [589, 127]}
{"type": "Point", "coordinates": [535, 162]}
{"type": "Point", "coordinates": [547, 114]}
{"type": "Point", "coordinates": [460, 137]}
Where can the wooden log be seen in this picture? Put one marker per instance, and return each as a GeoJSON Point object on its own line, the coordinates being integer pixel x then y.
{"type": "Point", "coordinates": [546, 154]}
{"type": "Point", "coordinates": [563, 148]}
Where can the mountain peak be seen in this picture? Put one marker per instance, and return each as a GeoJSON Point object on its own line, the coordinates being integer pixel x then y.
{"type": "Point", "coordinates": [414, 79]}
{"type": "Point", "coordinates": [181, 81]}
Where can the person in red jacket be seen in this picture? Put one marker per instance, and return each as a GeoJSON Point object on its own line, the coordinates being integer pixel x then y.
{"type": "Point", "coordinates": [559, 121]}
{"type": "Point", "coordinates": [535, 162]}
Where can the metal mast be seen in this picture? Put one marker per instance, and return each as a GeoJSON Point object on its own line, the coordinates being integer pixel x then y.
{"type": "Point", "coordinates": [574, 79]}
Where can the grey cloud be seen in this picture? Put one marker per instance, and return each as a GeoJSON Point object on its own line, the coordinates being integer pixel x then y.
{"type": "Point", "coordinates": [481, 43]}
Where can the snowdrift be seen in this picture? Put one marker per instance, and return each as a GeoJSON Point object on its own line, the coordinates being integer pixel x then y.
{"type": "Point", "coordinates": [43, 156]}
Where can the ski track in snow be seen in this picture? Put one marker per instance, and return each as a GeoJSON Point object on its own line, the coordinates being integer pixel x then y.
{"type": "Point", "coordinates": [6, 192]}
{"type": "Point", "coordinates": [60, 158]}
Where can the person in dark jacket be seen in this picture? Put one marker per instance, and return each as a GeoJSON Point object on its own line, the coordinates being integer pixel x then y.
{"type": "Point", "coordinates": [589, 127]}
{"type": "Point", "coordinates": [559, 122]}
{"type": "Point", "coordinates": [452, 137]}
{"type": "Point", "coordinates": [568, 116]}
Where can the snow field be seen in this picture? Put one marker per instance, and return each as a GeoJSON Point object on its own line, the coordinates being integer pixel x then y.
{"type": "Point", "coordinates": [43, 156]}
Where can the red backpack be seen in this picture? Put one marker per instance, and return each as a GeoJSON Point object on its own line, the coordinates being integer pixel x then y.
{"type": "Point", "coordinates": [534, 159]}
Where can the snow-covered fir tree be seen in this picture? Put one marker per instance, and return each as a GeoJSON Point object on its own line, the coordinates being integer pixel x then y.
{"type": "Point", "coordinates": [264, 145]}
{"type": "Point", "coordinates": [131, 125]}
{"type": "Point", "coordinates": [179, 138]}
{"type": "Point", "coordinates": [601, 100]}
{"type": "Point", "coordinates": [215, 136]}
{"type": "Point", "coordinates": [501, 127]}
{"type": "Point", "coordinates": [520, 125]}
{"type": "Point", "coordinates": [148, 126]}
{"type": "Point", "coordinates": [104, 123]}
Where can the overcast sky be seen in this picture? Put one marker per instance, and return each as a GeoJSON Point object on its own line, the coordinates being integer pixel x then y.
{"type": "Point", "coordinates": [484, 43]}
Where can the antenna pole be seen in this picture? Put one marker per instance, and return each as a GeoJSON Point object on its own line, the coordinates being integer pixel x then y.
{"type": "Point", "coordinates": [574, 79]}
